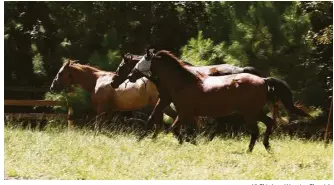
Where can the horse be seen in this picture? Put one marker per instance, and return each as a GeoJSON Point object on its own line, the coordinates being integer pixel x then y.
{"type": "Point", "coordinates": [197, 94]}
{"type": "Point", "coordinates": [130, 61]}
{"type": "Point", "coordinates": [104, 98]}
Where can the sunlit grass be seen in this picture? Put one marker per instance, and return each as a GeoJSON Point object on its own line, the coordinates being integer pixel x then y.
{"type": "Point", "coordinates": [79, 154]}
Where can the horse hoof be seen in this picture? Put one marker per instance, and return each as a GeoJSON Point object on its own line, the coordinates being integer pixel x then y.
{"type": "Point", "coordinates": [194, 142]}
{"type": "Point", "coordinates": [250, 150]}
{"type": "Point", "coordinates": [155, 136]}
{"type": "Point", "coordinates": [269, 150]}
{"type": "Point", "coordinates": [180, 140]}
{"type": "Point", "coordinates": [140, 138]}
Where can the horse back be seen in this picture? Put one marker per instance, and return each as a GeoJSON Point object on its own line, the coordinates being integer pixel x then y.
{"type": "Point", "coordinates": [132, 96]}
{"type": "Point", "coordinates": [223, 69]}
{"type": "Point", "coordinates": [231, 81]}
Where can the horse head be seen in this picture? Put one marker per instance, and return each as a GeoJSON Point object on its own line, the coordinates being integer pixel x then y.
{"type": "Point", "coordinates": [124, 69]}
{"type": "Point", "coordinates": [63, 78]}
{"type": "Point", "coordinates": [143, 67]}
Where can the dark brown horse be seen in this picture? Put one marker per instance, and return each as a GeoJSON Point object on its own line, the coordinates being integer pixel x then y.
{"type": "Point", "coordinates": [130, 61]}
{"type": "Point", "coordinates": [104, 98]}
{"type": "Point", "coordinates": [202, 95]}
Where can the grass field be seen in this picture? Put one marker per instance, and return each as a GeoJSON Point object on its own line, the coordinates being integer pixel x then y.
{"type": "Point", "coordinates": [78, 154]}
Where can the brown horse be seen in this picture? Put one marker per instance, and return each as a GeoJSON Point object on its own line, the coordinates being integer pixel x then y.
{"type": "Point", "coordinates": [202, 95]}
{"type": "Point", "coordinates": [130, 61]}
{"type": "Point", "coordinates": [104, 98]}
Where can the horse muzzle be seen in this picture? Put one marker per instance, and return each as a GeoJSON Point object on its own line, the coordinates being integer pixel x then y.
{"type": "Point", "coordinates": [54, 88]}
{"type": "Point", "coordinates": [132, 78]}
{"type": "Point", "coordinates": [113, 84]}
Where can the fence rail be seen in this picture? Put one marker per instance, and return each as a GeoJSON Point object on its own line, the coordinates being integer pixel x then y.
{"type": "Point", "coordinates": [38, 115]}
{"type": "Point", "coordinates": [27, 89]}
{"type": "Point", "coordinates": [32, 102]}
{"type": "Point", "coordinates": [38, 103]}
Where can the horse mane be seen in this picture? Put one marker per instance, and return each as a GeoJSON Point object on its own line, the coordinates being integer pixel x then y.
{"type": "Point", "coordinates": [83, 67]}
{"type": "Point", "coordinates": [136, 57]}
{"type": "Point", "coordinates": [133, 57]}
{"type": "Point", "coordinates": [180, 65]}
{"type": "Point", "coordinates": [187, 63]}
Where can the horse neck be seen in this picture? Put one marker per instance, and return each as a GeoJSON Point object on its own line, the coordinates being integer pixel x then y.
{"type": "Point", "coordinates": [175, 76]}
{"type": "Point", "coordinates": [85, 77]}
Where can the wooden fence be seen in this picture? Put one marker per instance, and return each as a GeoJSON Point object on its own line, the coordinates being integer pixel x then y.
{"type": "Point", "coordinates": [32, 102]}
{"type": "Point", "coordinates": [27, 89]}
{"type": "Point", "coordinates": [38, 103]}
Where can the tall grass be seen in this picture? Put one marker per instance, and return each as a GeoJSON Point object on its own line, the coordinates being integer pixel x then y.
{"type": "Point", "coordinates": [58, 153]}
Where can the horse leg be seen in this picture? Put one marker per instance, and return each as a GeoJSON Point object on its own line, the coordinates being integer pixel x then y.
{"type": "Point", "coordinates": [176, 125]}
{"type": "Point", "coordinates": [254, 130]}
{"type": "Point", "coordinates": [156, 116]}
{"type": "Point", "coordinates": [186, 128]}
{"type": "Point", "coordinates": [269, 124]}
{"type": "Point", "coordinates": [98, 110]}
{"type": "Point", "coordinates": [101, 116]}
{"type": "Point", "coordinates": [191, 130]}
{"type": "Point", "coordinates": [170, 112]}
{"type": "Point", "coordinates": [98, 120]}
{"type": "Point", "coordinates": [178, 129]}
{"type": "Point", "coordinates": [97, 124]}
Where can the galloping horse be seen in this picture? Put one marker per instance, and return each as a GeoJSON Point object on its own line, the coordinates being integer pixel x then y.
{"type": "Point", "coordinates": [202, 95]}
{"type": "Point", "coordinates": [104, 98]}
{"type": "Point", "coordinates": [156, 118]}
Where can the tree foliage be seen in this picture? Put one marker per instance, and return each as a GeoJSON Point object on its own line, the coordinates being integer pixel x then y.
{"type": "Point", "coordinates": [289, 40]}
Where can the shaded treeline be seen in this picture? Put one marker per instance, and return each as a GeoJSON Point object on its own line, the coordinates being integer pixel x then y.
{"type": "Point", "coordinates": [289, 40]}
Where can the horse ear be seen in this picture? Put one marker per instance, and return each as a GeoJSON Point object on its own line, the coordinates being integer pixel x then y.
{"type": "Point", "coordinates": [148, 52]}
{"type": "Point", "coordinates": [122, 54]}
{"type": "Point", "coordinates": [72, 62]}
{"type": "Point", "coordinates": [127, 56]}
{"type": "Point", "coordinates": [67, 63]}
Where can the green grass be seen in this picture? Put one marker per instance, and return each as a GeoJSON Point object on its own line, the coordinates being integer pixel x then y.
{"type": "Point", "coordinates": [78, 154]}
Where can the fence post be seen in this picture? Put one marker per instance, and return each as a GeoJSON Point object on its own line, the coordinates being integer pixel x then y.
{"type": "Point", "coordinates": [328, 122]}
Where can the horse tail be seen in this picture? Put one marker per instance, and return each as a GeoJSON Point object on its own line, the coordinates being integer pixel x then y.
{"type": "Point", "coordinates": [274, 109]}
{"type": "Point", "coordinates": [279, 90]}
{"type": "Point", "coordinates": [251, 70]}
